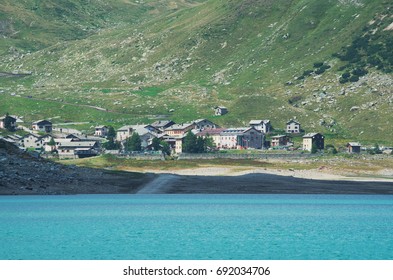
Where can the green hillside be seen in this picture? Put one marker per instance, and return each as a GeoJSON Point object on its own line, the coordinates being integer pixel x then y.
{"type": "Point", "coordinates": [327, 63]}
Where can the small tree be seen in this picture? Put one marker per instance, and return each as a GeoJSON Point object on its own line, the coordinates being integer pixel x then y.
{"type": "Point", "coordinates": [209, 143]}
{"type": "Point", "coordinates": [189, 143]}
{"type": "Point", "coordinates": [134, 143]}
{"type": "Point", "coordinates": [200, 145]}
{"type": "Point", "coordinates": [156, 144]}
{"type": "Point", "coordinates": [165, 148]}
{"type": "Point", "coordinates": [111, 132]}
{"type": "Point", "coordinates": [111, 145]}
{"type": "Point", "coordinates": [52, 142]}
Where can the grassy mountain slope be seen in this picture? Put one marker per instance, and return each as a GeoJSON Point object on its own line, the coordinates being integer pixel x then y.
{"type": "Point", "coordinates": [149, 58]}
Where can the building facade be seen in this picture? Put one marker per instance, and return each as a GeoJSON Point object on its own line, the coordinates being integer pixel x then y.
{"type": "Point", "coordinates": [42, 126]}
{"type": "Point", "coordinates": [101, 131]}
{"type": "Point", "coordinates": [279, 141]}
{"type": "Point", "coordinates": [313, 138]}
{"type": "Point", "coordinates": [293, 127]}
{"type": "Point", "coordinates": [354, 148]}
{"type": "Point", "coordinates": [241, 138]}
{"type": "Point", "coordinates": [262, 125]}
{"type": "Point", "coordinates": [12, 121]}
{"type": "Point", "coordinates": [220, 111]}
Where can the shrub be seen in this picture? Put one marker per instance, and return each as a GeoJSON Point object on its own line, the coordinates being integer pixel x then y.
{"type": "Point", "coordinates": [359, 72]}
{"type": "Point", "coordinates": [319, 71]}
{"type": "Point", "coordinates": [326, 66]}
{"type": "Point", "coordinates": [346, 75]}
{"type": "Point", "coordinates": [318, 64]}
{"type": "Point", "coordinates": [343, 80]}
{"type": "Point", "coordinates": [354, 78]}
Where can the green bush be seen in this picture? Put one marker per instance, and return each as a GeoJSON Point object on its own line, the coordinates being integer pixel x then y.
{"type": "Point", "coordinates": [320, 71]}
{"type": "Point", "coordinates": [318, 64]}
{"type": "Point", "coordinates": [359, 72]}
{"type": "Point", "coordinates": [354, 78]}
{"type": "Point", "coordinates": [346, 75]}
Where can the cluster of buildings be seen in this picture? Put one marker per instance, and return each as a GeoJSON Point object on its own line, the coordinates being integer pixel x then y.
{"type": "Point", "coordinates": [41, 137]}
{"type": "Point", "coordinates": [254, 136]}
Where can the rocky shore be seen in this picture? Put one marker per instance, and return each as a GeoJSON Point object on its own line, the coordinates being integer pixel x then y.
{"type": "Point", "coordinates": [21, 173]}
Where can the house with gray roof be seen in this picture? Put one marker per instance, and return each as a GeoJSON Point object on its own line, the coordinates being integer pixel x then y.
{"type": "Point", "coordinates": [354, 147]}
{"type": "Point", "coordinates": [42, 126]}
{"type": "Point", "coordinates": [262, 125]}
{"type": "Point", "coordinates": [241, 138]}
{"type": "Point", "coordinates": [71, 148]}
{"type": "Point", "coordinates": [162, 124]}
{"type": "Point", "coordinates": [12, 121]}
{"type": "Point", "coordinates": [293, 127]}
{"type": "Point", "coordinates": [310, 139]}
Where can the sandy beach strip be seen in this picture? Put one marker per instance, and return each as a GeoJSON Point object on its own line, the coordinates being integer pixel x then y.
{"type": "Point", "coordinates": [227, 180]}
{"type": "Point", "coordinates": [312, 174]}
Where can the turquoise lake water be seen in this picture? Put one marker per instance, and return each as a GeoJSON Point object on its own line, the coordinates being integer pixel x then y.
{"type": "Point", "coordinates": [202, 227]}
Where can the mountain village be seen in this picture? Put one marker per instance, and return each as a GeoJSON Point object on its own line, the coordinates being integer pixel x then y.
{"type": "Point", "coordinates": [45, 138]}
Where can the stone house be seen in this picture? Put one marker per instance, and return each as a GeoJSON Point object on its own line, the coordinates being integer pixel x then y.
{"type": "Point", "coordinates": [293, 127]}
{"type": "Point", "coordinates": [313, 138]}
{"type": "Point", "coordinates": [202, 124]}
{"type": "Point", "coordinates": [251, 139]}
{"type": "Point", "coordinates": [76, 149]}
{"type": "Point", "coordinates": [42, 126]}
{"type": "Point", "coordinates": [12, 119]}
{"type": "Point", "coordinates": [241, 138]}
{"type": "Point", "coordinates": [145, 132]}
{"type": "Point", "coordinates": [354, 147]}
{"type": "Point", "coordinates": [126, 131]}
{"type": "Point", "coordinates": [279, 141]}
{"type": "Point", "coordinates": [34, 141]}
{"type": "Point", "coordinates": [220, 110]}
{"type": "Point", "coordinates": [262, 125]}
{"type": "Point", "coordinates": [101, 131]}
